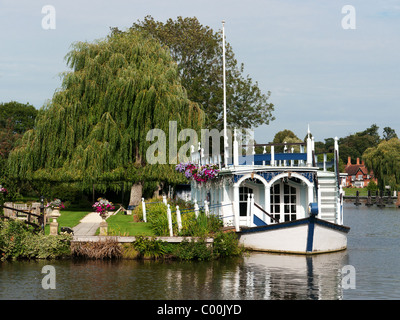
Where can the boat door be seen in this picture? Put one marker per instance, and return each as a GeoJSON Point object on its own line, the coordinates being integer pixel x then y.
{"type": "Point", "coordinates": [284, 201]}
{"type": "Point", "coordinates": [243, 195]}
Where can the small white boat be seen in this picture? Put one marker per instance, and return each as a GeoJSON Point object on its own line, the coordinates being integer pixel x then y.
{"type": "Point", "coordinates": [278, 202]}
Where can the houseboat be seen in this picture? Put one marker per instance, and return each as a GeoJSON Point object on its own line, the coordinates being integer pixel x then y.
{"type": "Point", "coordinates": [284, 202]}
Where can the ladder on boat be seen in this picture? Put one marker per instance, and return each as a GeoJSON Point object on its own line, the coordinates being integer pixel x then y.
{"type": "Point", "coordinates": [328, 187]}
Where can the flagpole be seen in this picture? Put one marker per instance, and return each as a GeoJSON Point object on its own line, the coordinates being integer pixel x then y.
{"type": "Point", "coordinates": [224, 85]}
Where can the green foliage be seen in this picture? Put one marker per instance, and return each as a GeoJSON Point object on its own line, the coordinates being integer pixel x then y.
{"type": "Point", "coordinates": [20, 116]}
{"type": "Point", "coordinates": [389, 133]}
{"type": "Point", "coordinates": [202, 226]}
{"type": "Point", "coordinates": [354, 145]}
{"type": "Point", "coordinates": [372, 186]}
{"type": "Point", "coordinates": [197, 49]}
{"type": "Point", "coordinates": [157, 217]}
{"type": "Point", "coordinates": [18, 241]}
{"type": "Point", "coordinates": [193, 250]}
{"type": "Point", "coordinates": [150, 248]}
{"type": "Point", "coordinates": [227, 244]}
{"type": "Point", "coordinates": [384, 160]}
{"type": "Point", "coordinates": [94, 129]}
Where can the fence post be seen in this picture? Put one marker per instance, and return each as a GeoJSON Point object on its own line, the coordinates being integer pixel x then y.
{"type": "Point", "coordinates": [178, 218]}
{"type": "Point", "coordinates": [196, 208]}
{"type": "Point", "coordinates": [164, 199]}
{"type": "Point", "coordinates": [144, 210]}
{"type": "Point", "coordinates": [206, 209]}
{"type": "Point", "coordinates": [169, 216]}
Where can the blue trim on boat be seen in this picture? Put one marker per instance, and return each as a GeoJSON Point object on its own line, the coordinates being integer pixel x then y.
{"type": "Point", "coordinates": [310, 235]}
{"type": "Point", "coordinates": [276, 226]}
{"type": "Point", "coordinates": [258, 222]}
{"type": "Point", "coordinates": [294, 223]}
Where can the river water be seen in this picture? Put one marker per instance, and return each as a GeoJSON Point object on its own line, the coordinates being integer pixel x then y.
{"type": "Point", "coordinates": [368, 269]}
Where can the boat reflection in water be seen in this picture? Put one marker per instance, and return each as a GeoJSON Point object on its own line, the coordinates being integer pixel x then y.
{"type": "Point", "coordinates": [256, 276]}
{"type": "Point", "coordinates": [262, 276]}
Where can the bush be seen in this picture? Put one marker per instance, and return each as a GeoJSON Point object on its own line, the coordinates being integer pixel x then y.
{"type": "Point", "coordinates": [193, 250]}
{"type": "Point", "coordinates": [227, 244]}
{"type": "Point", "coordinates": [17, 240]}
{"type": "Point", "coordinates": [150, 248]}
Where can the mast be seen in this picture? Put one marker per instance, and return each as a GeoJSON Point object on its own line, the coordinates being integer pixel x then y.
{"type": "Point", "coordinates": [224, 86]}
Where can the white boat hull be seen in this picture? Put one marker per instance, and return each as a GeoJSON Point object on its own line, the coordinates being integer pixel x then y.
{"type": "Point", "coordinates": [304, 236]}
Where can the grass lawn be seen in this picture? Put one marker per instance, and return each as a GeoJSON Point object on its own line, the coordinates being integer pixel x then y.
{"type": "Point", "coordinates": [68, 219]}
{"type": "Point", "coordinates": [123, 225]}
{"type": "Point", "coordinates": [352, 191]}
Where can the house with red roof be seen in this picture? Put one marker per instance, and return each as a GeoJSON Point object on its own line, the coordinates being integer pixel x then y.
{"type": "Point", "coordinates": [358, 175]}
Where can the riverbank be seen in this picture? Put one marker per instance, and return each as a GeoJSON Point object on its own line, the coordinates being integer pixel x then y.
{"type": "Point", "coordinates": [18, 241]}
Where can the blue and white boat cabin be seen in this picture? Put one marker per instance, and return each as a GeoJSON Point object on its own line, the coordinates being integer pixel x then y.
{"type": "Point", "coordinates": [274, 199]}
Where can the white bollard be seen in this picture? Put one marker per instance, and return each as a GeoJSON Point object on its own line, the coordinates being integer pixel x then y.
{"type": "Point", "coordinates": [206, 209]}
{"type": "Point", "coordinates": [178, 218]}
{"type": "Point", "coordinates": [196, 208]}
{"type": "Point", "coordinates": [169, 216]}
{"type": "Point", "coordinates": [144, 210]}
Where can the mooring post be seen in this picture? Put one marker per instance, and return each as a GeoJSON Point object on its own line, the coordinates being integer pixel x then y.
{"type": "Point", "coordinates": [206, 208]}
{"type": "Point", "coordinates": [169, 216]}
{"type": "Point", "coordinates": [144, 210]}
{"type": "Point", "coordinates": [389, 198]}
{"type": "Point", "coordinates": [357, 203]}
{"type": "Point", "coordinates": [178, 218]}
{"type": "Point", "coordinates": [196, 208]}
{"type": "Point", "coordinates": [380, 200]}
{"type": "Point", "coordinates": [369, 200]}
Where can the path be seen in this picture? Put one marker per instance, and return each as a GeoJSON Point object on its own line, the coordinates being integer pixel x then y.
{"type": "Point", "coordinates": [88, 225]}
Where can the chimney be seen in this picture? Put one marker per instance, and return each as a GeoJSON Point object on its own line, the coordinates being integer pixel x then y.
{"type": "Point", "coordinates": [358, 161]}
{"type": "Point", "coordinates": [349, 161]}
{"type": "Point", "coordinates": [362, 162]}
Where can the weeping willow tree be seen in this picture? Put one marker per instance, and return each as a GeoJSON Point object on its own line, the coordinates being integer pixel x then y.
{"type": "Point", "coordinates": [384, 160]}
{"type": "Point", "coordinates": [93, 131]}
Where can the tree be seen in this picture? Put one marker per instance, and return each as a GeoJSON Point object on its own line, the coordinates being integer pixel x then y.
{"type": "Point", "coordinates": [8, 137]}
{"type": "Point", "coordinates": [354, 145]}
{"type": "Point", "coordinates": [197, 49]}
{"type": "Point", "coordinates": [22, 116]}
{"type": "Point", "coordinates": [286, 136]}
{"type": "Point", "coordinates": [94, 129]}
{"type": "Point", "coordinates": [384, 160]}
{"type": "Point", "coordinates": [389, 133]}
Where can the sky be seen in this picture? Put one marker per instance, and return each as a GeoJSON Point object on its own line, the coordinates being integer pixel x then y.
{"type": "Point", "coordinates": [327, 67]}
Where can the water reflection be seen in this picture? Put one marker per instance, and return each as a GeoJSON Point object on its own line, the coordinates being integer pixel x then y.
{"type": "Point", "coordinates": [256, 276]}
{"type": "Point", "coordinates": [373, 250]}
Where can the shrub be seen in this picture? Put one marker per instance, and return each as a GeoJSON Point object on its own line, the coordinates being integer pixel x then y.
{"type": "Point", "coordinates": [18, 241]}
{"type": "Point", "coordinates": [150, 248]}
{"type": "Point", "coordinates": [227, 244]}
{"type": "Point", "coordinates": [193, 250]}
